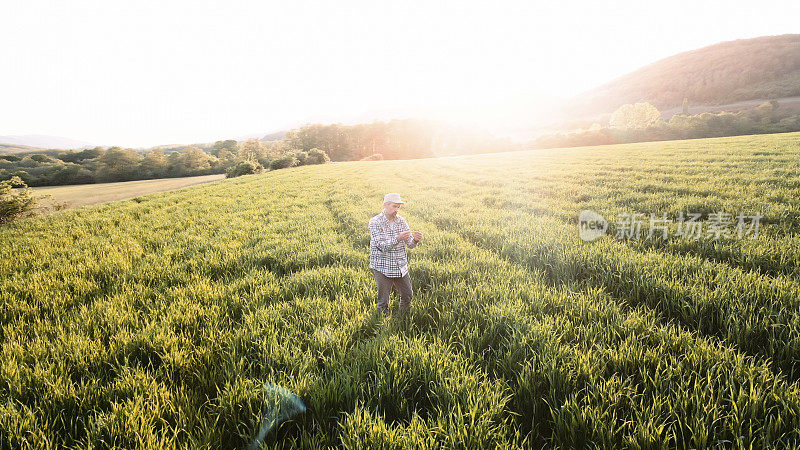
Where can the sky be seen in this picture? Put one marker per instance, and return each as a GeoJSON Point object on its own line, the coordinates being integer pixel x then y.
{"type": "Point", "coordinates": [144, 73]}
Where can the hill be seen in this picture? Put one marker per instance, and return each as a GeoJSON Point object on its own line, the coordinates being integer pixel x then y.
{"type": "Point", "coordinates": [192, 318]}
{"type": "Point", "coordinates": [766, 67]}
{"type": "Point", "coordinates": [42, 141]}
{"type": "Point", "coordinates": [10, 149]}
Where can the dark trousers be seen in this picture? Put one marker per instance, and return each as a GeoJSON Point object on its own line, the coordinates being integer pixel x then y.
{"type": "Point", "coordinates": [402, 284]}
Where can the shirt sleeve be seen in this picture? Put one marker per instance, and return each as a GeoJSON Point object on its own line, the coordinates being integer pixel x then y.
{"type": "Point", "coordinates": [382, 240]}
{"type": "Point", "coordinates": [410, 241]}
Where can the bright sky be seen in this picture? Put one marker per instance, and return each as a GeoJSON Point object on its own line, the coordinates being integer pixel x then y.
{"type": "Point", "coordinates": [142, 73]}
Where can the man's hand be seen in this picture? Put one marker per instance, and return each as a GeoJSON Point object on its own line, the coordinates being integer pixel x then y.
{"type": "Point", "coordinates": [417, 236]}
{"type": "Point", "coordinates": [402, 237]}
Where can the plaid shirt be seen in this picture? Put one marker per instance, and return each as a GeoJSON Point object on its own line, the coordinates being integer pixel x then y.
{"type": "Point", "coordinates": [386, 254]}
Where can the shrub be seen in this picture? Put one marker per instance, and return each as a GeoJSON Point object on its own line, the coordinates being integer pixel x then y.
{"type": "Point", "coordinates": [264, 161]}
{"type": "Point", "coordinates": [243, 168]}
{"type": "Point", "coordinates": [28, 162]}
{"type": "Point", "coordinates": [24, 176]}
{"type": "Point", "coordinates": [374, 157]}
{"type": "Point", "coordinates": [77, 157]}
{"type": "Point", "coordinates": [283, 162]}
{"type": "Point", "coordinates": [302, 158]}
{"type": "Point", "coordinates": [72, 174]}
{"type": "Point", "coordinates": [317, 156]}
{"type": "Point", "coordinates": [14, 203]}
{"type": "Point", "coordinates": [639, 115]}
{"type": "Point", "coordinates": [38, 157]}
{"type": "Point", "coordinates": [10, 158]}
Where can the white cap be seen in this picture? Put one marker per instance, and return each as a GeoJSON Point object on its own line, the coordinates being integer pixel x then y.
{"type": "Point", "coordinates": [392, 198]}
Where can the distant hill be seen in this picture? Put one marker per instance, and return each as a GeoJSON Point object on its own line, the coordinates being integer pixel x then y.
{"type": "Point", "coordinates": [6, 149]}
{"type": "Point", "coordinates": [42, 141]}
{"type": "Point", "coordinates": [263, 137]}
{"type": "Point", "coordinates": [760, 68]}
{"type": "Point", "coordinates": [276, 136]}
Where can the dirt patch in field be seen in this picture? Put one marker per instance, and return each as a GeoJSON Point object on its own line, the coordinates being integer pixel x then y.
{"type": "Point", "coordinates": [73, 196]}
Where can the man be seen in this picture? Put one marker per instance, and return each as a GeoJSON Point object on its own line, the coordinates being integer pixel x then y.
{"type": "Point", "coordinates": [389, 236]}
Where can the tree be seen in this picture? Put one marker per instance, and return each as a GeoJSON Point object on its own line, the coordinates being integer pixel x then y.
{"type": "Point", "coordinates": [224, 146]}
{"type": "Point", "coordinates": [90, 153]}
{"type": "Point", "coordinates": [252, 150]}
{"type": "Point", "coordinates": [175, 167]}
{"type": "Point", "coordinates": [40, 158]}
{"type": "Point", "coordinates": [639, 115]}
{"type": "Point", "coordinates": [28, 161]}
{"type": "Point", "coordinates": [284, 162]}
{"type": "Point", "coordinates": [72, 173]}
{"type": "Point", "coordinates": [765, 112]}
{"type": "Point", "coordinates": [118, 164]}
{"type": "Point", "coordinates": [154, 164]}
{"type": "Point", "coordinates": [14, 203]}
{"type": "Point", "coordinates": [243, 168]}
{"type": "Point", "coordinates": [78, 157]}
{"type": "Point", "coordinates": [301, 157]}
{"type": "Point", "coordinates": [226, 158]}
{"type": "Point", "coordinates": [196, 161]}
{"type": "Point", "coordinates": [317, 156]}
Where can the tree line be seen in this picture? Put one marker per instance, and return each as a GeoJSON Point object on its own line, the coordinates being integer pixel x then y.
{"type": "Point", "coordinates": [310, 144]}
{"type": "Point", "coordinates": [642, 122]}
{"type": "Point", "coordinates": [396, 139]}
{"type": "Point", "coordinates": [99, 165]}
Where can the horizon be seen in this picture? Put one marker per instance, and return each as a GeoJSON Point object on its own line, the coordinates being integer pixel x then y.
{"type": "Point", "coordinates": [246, 70]}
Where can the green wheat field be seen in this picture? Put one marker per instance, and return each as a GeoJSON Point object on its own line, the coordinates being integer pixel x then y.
{"type": "Point", "coordinates": [168, 320]}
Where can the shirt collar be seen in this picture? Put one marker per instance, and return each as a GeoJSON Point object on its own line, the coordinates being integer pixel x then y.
{"type": "Point", "coordinates": [386, 219]}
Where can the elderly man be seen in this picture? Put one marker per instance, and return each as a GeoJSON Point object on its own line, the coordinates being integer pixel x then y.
{"type": "Point", "coordinates": [389, 236]}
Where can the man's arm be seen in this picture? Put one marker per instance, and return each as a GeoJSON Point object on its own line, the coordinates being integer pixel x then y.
{"type": "Point", "coordinates": [382, 240]}
{"type": "Point", "coordinates": [410, 242]}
